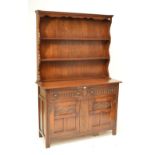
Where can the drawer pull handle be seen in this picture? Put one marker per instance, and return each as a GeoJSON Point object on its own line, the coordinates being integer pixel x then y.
{"type": "Point", "coordinates": [84, 87]}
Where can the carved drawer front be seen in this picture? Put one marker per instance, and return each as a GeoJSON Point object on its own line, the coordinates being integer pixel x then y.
{"type": "Point", "coordinates": [84, 91]}
{"type": "Point", "coordinates": [100, 112]}
{"type": "Point", "coordinates": [102, 90]}
{"type": "Point", "coordinates": [66, 117]}
{"type": "Point", "coordinates": [60, 93]}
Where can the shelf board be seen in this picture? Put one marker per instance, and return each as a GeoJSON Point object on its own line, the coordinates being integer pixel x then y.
{"type": "Point", "coordinates": [73, 59]}
{"type": "Point", "coordinates": [59, 38]}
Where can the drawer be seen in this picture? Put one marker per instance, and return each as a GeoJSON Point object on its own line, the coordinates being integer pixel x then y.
{"type": "Point", "coordinates": [103, 90]}
{"type": "Point", "coordinates": [84, 91]}
{"type": "Point", "coordinates": [61, 93]}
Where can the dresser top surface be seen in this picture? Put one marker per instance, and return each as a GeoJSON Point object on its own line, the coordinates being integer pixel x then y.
{"type": "Point", "coordinates": [76, 83]}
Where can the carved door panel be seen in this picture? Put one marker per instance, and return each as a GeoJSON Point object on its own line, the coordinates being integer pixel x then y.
{"type": "Point", "coordinates": [101, 111]}
{"type": "Point", "coordinates": [66, 117]}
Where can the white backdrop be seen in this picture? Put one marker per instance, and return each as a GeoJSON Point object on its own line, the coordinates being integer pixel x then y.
{"type": "Point", "coordinates": [132, 61]}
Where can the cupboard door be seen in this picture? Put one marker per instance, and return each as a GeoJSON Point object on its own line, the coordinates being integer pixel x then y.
{"type": "Point", "coordinates": [66, 117]}
{"type": "Point", "coordinates": [101, 111]}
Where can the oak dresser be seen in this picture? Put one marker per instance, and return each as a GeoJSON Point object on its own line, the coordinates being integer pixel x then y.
{"type": "Point", "coordinates": [76, 96]}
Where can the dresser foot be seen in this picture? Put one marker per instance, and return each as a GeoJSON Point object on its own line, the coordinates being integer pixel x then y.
{"type": "Point", "coordinates": [47, 142]}
{"type": "Point", "coordinates": [40, 135]}
{"type": "Point", "coordinates": [114, 132]}
{"type": "Point", "coordinates": [96, 134]}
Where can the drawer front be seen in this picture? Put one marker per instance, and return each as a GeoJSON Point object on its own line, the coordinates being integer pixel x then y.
{"type": "Point", "coordinates": [63, 93]}
{"type": "Point", "coordinates": [102, 90]}
{"type": "Point", "coordinates": [84, 91]}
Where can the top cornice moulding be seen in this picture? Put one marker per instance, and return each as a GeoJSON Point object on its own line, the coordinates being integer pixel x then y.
{"type": "Point", "coordinates": [42, 13]}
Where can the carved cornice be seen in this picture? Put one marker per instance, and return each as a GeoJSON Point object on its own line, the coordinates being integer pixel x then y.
{"type": "Point", "coordinates": [73, 15]}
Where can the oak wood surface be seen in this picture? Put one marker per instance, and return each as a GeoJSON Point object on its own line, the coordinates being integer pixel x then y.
{"type": "Point", "coordinates": [75, 83]}
{"type": "Point", "coordinates": [76, 96]}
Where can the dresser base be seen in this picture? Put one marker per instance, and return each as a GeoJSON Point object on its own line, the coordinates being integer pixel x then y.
{"type": "Point", "coordinates": [69, 112]}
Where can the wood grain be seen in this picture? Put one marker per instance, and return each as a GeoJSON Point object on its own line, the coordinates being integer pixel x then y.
{"type": "Point", "coordinates": [76, 96]}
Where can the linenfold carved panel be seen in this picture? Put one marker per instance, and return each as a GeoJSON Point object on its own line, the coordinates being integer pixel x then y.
{"type": "Point", "coordinates": [65, 107]}
{"type": "Point", "coordinates": [100, 120]}
{"type": "Point", "coordinates": [102, 105]}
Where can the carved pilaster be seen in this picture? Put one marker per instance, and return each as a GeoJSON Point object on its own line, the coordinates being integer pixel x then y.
{"type": "Point", "coordinates": [38, 47]}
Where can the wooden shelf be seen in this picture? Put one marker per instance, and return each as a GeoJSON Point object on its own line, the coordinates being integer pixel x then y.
{"type": "Point", "coordinates": [76, 39]}
{"type": "Point", "coordinates": [73, 59]}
